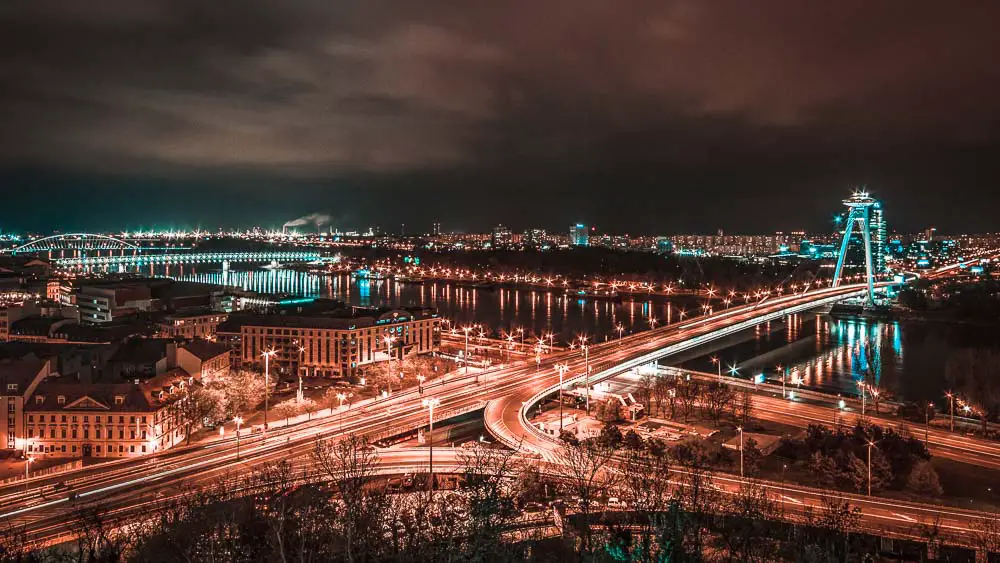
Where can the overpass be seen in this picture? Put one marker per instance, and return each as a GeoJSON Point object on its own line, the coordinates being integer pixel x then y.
{"type": "Point", "coordinates": [506, 417]}
{"type": "Point", "coordinates": [280, 256]}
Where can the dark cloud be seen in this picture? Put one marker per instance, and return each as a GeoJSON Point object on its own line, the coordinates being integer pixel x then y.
{"type": "Point", "coordinates": [686, 102]}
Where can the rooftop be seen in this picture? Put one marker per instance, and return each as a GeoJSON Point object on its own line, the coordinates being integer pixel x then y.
{"type": "Point", "coordinates": [205, 349]}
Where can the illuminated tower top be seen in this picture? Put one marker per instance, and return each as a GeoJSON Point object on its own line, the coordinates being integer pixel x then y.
{"type": "Point", "coordinates": [860, 199]}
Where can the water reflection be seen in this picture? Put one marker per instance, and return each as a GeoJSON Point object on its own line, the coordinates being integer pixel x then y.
{"type": "Point", "coordinates": [822, 352]}
{"type": "Point", "coordinates": [498, 310]}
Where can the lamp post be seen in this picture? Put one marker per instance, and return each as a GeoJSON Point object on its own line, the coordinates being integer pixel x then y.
{"type": "Point", "coordinates": [239, 422]}
{"type": "Point", "coordinates": [420, 383]}
{"type": "Point", "coordinates": [586, 362]}
{"type": "Point", "coordinates": [430, 404]}
{"type": "Point", "coordinates": [340, 410]}
{"type": "Point", "coordinates": [302, 353]}
{"type": "Point", "coordinates": [927, 420]}
{"type": "Point", "coordinates": [27, 463]}
{"type": "Point", "coordinates": [562, 369]}
{"type": "Point", "coordinates": [718, 363]}
{"type": "Point", "coordinates": [621, 329]}
{"type": "Point", "coordinates": [780, 370]}
{"type": "Point", "coordinates": [740, 429]}
{"type": "Point", "coordinates": [951, 410]}
{"type": "Point", "coordinates": [388, 339]}
{"type": "Point", "coordinates": [267, 383]}
{"type": "Point", "coordinates": [466, 330]}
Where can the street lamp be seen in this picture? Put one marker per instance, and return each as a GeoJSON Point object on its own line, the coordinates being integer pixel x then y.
{"type": "Point", "coordinates": [388, 339]}
{"type": "Point", "coordinates": [779, 369]}
{"type": "Point", "coordinates": [718, 363]}
{"type": "Point", "coordinates": [740, 430]}
{"type": "Point", "coordinates": [621, 329]}
{"type": "Point", "coordinates": [466, 329]}
{"type": "Point", "coordinates": [420, 383]}
{"type": "Point", "coordinates": [267, 383]}
{"type": "Point", "coordinates": [239, 422]}
{"type": "Point", "coordinates": [562, 369]}
{"type": "Point", "coordinates": [27, 463]}
{"type": "Point", "coordinates": [586, 359]}
{"type": "Point", "coordinates": [951, 399]}
{"type": "Point", "coordinates": [302, 354]}
{"type": "Point", "coordinates": [927, 420]}
{"type": "Point", "coordinates": [429, 404]}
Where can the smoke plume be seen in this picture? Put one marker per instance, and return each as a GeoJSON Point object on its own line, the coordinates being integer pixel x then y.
{"type": "Point", "coordinates": [315, 219]}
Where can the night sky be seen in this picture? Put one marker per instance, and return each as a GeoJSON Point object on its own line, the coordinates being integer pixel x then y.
{"type": "Point", "coordinates": [659, 116]}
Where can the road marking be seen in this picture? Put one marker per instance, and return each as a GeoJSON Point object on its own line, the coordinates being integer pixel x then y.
{"type": "Point", "coordinates": [905, 517]}
{"type": "Point", "coordinates": [791, 500]}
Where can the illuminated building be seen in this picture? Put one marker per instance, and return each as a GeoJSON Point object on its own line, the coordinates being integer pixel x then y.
{"type": "Point", "coordinates": [535, 237]}
{"type": "Point", "coordinates": [18, 380]}
{"type": "Point", "coordinates": [501, 237]}
{"type": "Point", "coordinates": [866, 214]}
{"type": "Point", "coordinates": [331, 346]}
{"type": "Point", "coordinates": [578, 235]}
{"type": "Point", "coordinates": [74, 419]}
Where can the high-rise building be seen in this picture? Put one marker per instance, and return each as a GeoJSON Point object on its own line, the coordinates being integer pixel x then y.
{"type": "Point", "coordinates": [501, 237]}
{"type": "Point", "coordinates": [879, 237]}
{"type": "Point", "coordinates": [578, 235]}
{"type": "Point", "coordinates": [436, 229]}
{"type": "Point", "coordinates": [535, 237]}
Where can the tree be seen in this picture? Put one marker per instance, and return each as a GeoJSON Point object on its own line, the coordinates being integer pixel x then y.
{"type": "Point", "coordinates": [583, 468]}
{"type": "Point", "coordinates": [974, 374]}
{"type": "Point", "coordinates": [349, 465]}
{"type": "Point", "coordinates": [924, 479]}
{"type": "Point", "coordinates": [287, 409]}
{"type": "Point", "coordinates": [646, 489]}
{"type": "Point", "coordinates": [747, 524]}
{"type": "Point", "coordinates": [752, 457]}
{"type": "Point", "coordinates": [492, 498]}
{"type": "Point", "coordinates": [664, 390]}
{"type": "Point", "coordinates": [609, 411]}
{"type": "Point", "coordinates": [610, 436]}
{"type": "Point", "coordinates": [309, 407]}
{"type": "Point", "coordinates": [744, 407]}
{"type": "Point", "coordinates": [986, 533]}
{"type": "Point", "coordinates": [243, 390]}
{"type": "Point", "coordinates": [198, 405]}
{"type": "Point", "coordinates": [633, 440]}
{"type": "Point", "coordinates": [716, 400]}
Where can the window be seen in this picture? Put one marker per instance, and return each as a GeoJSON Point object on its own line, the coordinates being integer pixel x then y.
{"type": "Point", "coordinates": [12, 386]}
{"type": "Point", "coordinates": [61, 399]}
{"type": "Point", "coordinates": [119, 399]}
{"type": "Point", "coordinates": [39, 399]}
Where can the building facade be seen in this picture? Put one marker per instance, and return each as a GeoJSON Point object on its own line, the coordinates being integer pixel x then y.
{"type": "Point", "coordinates": [106, 419]}
{"type": "Point", "coordinates": [578, 235]}
{"type": "Point", "coordinates": [18, 380]}
{"type": "Point", "coordinates": [190, 325]}
{"type": "Point", "coordinates": [331, 346]}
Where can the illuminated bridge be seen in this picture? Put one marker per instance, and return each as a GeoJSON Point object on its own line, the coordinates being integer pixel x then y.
{"type": "Point", "coordinates": [74, 242]}
{"type": "Point", "coordinates": [506, 418]}
{"type": "Point", "coordinates": [279, 256]}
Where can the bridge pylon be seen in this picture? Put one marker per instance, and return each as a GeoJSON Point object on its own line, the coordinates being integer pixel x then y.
{"type": "Point", "coordinates": [860, 205]}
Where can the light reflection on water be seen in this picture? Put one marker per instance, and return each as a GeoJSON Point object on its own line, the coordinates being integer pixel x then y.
{"type": "Point", "coordinates": [537, 312]}
{"type": "Point", "coordinates": [905, 358]}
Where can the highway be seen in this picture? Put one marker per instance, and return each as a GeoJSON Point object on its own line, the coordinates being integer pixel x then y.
{"type": "Point", "coordinates": [128, 487]}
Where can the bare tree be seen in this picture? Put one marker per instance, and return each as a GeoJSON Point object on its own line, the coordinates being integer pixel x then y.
{"type": "Point", "coordinates": [646, 489]}
{"type": "Point", "coordinates": [986, 533]}
{"type": "Point", "coordinates": [349, 465]}
{"type": "Point", "coordinates": [584, 467]}
{"type": "Point", "coordinates": [716, 400]}
{"type": "Point", "coordinates": [748, 522]}
{"type": "Point", "coordinates": [491, 495]}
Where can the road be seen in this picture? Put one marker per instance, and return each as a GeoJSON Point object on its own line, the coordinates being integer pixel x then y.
{"type": "Point", "coordinates": [128, 487]}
